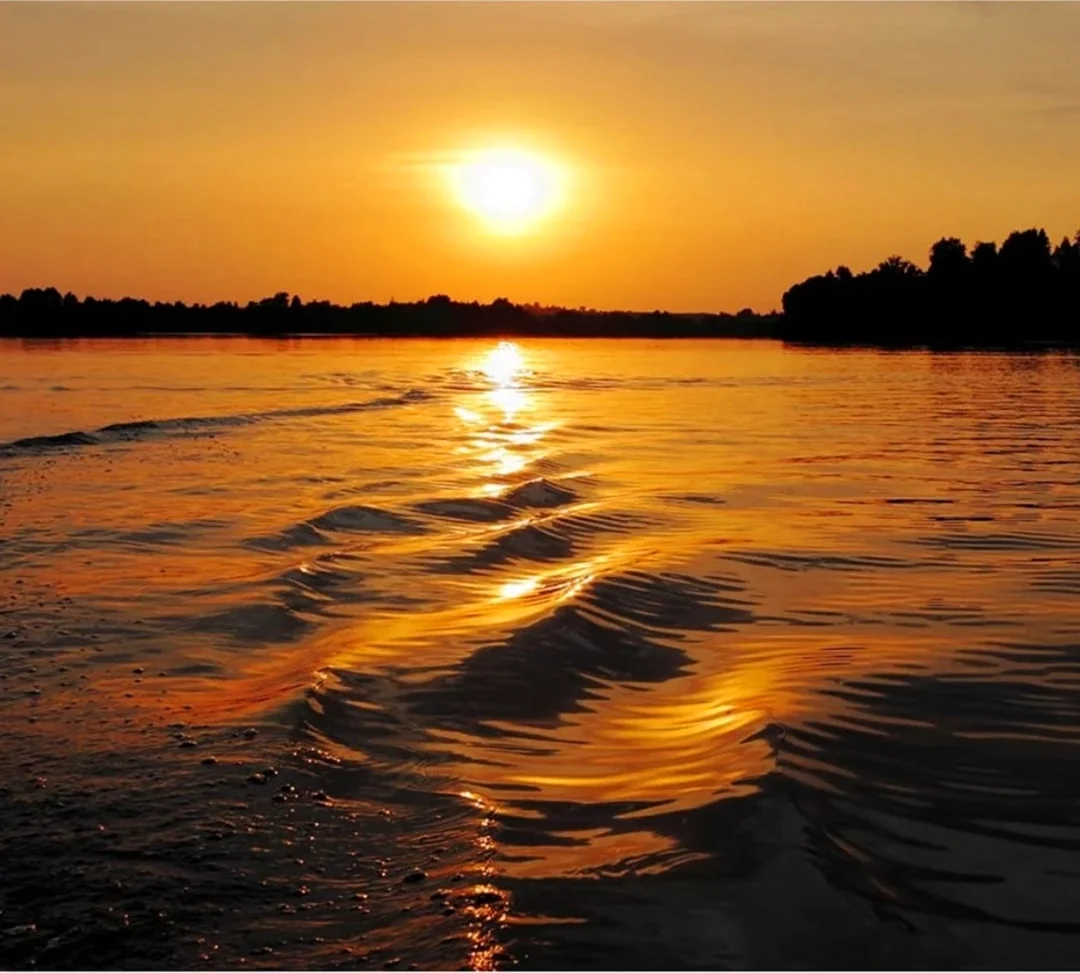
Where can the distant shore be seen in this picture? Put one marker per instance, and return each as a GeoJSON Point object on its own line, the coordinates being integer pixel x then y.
{"type": "Point", "coordinates": [1023, 296]}
{"type": "Point", "coordinates": [45, 313]}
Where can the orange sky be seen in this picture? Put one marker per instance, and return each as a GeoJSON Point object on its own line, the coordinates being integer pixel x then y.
{"type": "Point", "coordinates": [715, 152]}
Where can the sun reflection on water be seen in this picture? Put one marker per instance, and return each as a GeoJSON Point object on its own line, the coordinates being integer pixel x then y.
{"type": "Point", "coordinates": [509, 399]}
{"type": "Point", "coordinates": [503, 363]}
{"type": "Point", "coordinates": [501, 444]}
{"type": "Point", "coordinates": [515, 589]}
{"type": "Point", "coordinates": [678, 746]}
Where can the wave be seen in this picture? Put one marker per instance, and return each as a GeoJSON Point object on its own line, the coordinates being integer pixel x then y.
{"type": "Point", "coordinates": [883, 808]}
{"type": "Point", "coordinates": [287, 604]}
{"type": "Point", "coordinates": [361, 519]}
{"type": "Point", "coordinates": [153, 535]}
{"type": "Point", "coordinates": [692, 498]}
{"type": "Point", "coordinates": [1002, 541]}
{"type": "Point", "coordinates": [918, 500]}
{"type": "Point", "coordinates": [318, 531]}
{"type": "Point", "coordinates": [1058, 580]}
{"type": "Point", "coordinates": [64, 440]}
{"type": "Point", "coordinates": [148, 428]}
{"type": "Point", "coordinates": [540, 493]}
{"type": "Point", "coordinates": [826, 562]}
{"type": "Point", "coordinates": [622, 628]}
{"type": "Point", "coordinates": [298, 535]}
{"type": "Point", "coordinates": [259, 623]}
{"type": "Point", "coordinates": [467, 508]}
{"type": "Point", "coordinates": [547, 538]}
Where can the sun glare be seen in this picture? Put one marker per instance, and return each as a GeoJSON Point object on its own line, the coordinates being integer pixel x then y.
{"type": "Point", "coordinates": [509, 189]}
{"type": "Point", "coordinates": [503, 363]}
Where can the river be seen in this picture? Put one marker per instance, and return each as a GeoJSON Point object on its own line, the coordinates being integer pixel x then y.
{"type": "Point", "coordinates": [552, 654]}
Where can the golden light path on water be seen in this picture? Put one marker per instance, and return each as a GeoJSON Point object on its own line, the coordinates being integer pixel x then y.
{"type": "Point", "coordinates": [552, 614]}
{"type": "Point", "coordinates": [682, 744]}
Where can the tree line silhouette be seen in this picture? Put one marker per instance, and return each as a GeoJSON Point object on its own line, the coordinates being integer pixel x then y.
{"type": "Point", "coordinates": [1025, 292]}
{"type": "Point", "coordinates": [45, 313]}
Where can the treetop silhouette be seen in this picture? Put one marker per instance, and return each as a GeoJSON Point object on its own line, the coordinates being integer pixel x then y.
{"type": "Point", "coordinates": [1023, 293]}
{"type": "Point", "coordinates": [44, 313]}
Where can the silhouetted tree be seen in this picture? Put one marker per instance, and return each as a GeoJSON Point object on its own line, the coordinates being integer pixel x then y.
{"type": "Point", "coordinates": [37, 299]}
{"type": "Point", "coordinates": [948, 259]}
{"type": "Point", "coordinates": [1026, 251]}
{"type": "Point", "coordinates": [1023, 293]}
{"type": "Point", "coordinates": [896, 268]}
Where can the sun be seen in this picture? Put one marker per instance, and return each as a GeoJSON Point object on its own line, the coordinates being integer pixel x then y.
{"type": "Point", "coordinates": [509, 189]}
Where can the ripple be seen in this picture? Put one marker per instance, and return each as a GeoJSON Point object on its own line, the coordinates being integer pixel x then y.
{"type": "Point", "coordinates": [296, 536]}
{"type": "Point", "coordinates": [547, 538]}
{"type": "Point", "coordinates": [256, 623]}
{"type": "Point", "coordinates": [362, 519]}
{"type": "Point", "coordinates": [826, 562]}
{"type": "Point", "coordinates": [889, 806]}
{"type": "Point", "coordinates": [540, 493]}
{"type": "Point", "coordinates": [64, 440]}
{"type": "Point", "coordinates": [164, 534]}
{"type": "Point", "coordinates": [1058, 581]}
{"type": "Point", "coordinates": [524, 665]}
{"type": "Point", "coordinates": [1001, 541]}
{"type": "Point", "coordinates": [467, 508]}
{"type": "Point", "coordinates": [141, 429]}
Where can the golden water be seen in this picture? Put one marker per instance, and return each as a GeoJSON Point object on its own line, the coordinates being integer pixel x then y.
{"type": "Point", "coordinates": [646, 654]}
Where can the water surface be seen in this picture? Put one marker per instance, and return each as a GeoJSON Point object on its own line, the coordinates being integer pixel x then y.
{"type": "Point", "coordinates": [640, 654]}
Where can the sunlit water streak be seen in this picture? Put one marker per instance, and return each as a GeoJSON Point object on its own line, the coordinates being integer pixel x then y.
{"type": "Point", "coordinates": [555, 654]}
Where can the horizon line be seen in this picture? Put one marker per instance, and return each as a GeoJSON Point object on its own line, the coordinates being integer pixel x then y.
{"type": "Point", "coordinates": [392, 301]}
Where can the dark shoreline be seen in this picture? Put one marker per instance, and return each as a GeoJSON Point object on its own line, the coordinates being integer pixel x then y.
{"type": "Point", "coordinates": [1033, 347]}
{"type": "Point", "coordinates": [48, 314]}
{"type": "Point", "coordinates": [1025, 292]}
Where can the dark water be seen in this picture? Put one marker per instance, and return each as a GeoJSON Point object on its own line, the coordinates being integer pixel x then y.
{"type": "Point", "coordinates": [378, 654]}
